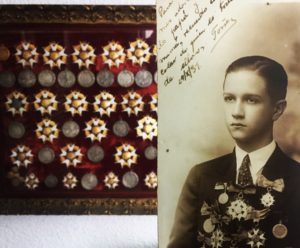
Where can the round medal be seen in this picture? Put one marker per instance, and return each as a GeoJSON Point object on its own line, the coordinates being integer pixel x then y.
{"type": "Point", "coordinates": [125, 78]}
{"type": "Point", "coordinates": [89, 181]}
{"type": "Point", "coordinates": [46, 155]}
{"type": "Point", "coordinates": [70, 129]}
{"type": "Point", "coordinates": [7, 79]}
{"type": "Point", "coordinates": [130, 179]}
{"type": "Point", "coordinates": [208, 226]}
{"type": "Point", "coordinates": [51, 181]}
{"type": "Point", "coordinates": [4, 53]}
{"type": "Point", "coordinates": [143, 78]}
{"type": "Point", "coordinates": [279, 231]}
{"type": "Point", "coordinates": [223, 198]}
{"type": "Point", "coordinates": [26, 78]}
{"type": "Point", "coordinates": [150, 152]}
{"type": "Point", "coordinates": [16, 130]}
{"type": "Point", "coordinates": [66, 79]}
{"type": "Point", "coordinates": [46, 78]}
{"type": "Point", "coordinates": [105, 78]}
{"type": "Point", "coordinates": [155, 77]}
{"type": "Point", "coordinates": [86, 78]}
{"type": "Point", "coordinates": [95, 153]}
{"type": "Point", "coordinates": [120, 128]}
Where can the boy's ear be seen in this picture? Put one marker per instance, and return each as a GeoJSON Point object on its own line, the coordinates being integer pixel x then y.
{"type": "Point", "coordinates": [279, 109]}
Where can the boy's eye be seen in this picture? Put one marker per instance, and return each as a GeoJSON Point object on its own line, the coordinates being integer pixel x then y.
{"type": "Point", "coordinates": [252, 100]}
{"type": "Point", "coordinates": [228, 98]}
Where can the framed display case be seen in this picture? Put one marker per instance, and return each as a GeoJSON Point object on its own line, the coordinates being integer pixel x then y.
{"type": "Point", "coordinates": [78, 109]}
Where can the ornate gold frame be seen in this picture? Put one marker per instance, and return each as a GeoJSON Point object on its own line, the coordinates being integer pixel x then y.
{"type": "Point", "coordinates": [91, 14]}
{"type": "Point", "coordinates": [77, 14]}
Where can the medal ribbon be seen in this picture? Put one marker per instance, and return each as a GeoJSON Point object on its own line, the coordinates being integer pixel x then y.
{"type": "Point", "coordinates": [277, 185]}
{"type": "Point", "coordinates": [238, 189]}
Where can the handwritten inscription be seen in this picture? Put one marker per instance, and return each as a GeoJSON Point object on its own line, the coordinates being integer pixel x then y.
{"type": "Point", "coordinates": [191, 30]}
{"type": "Point", "coordinates": [189, 72]}
{"type": "Point", "coordinates": [224, 4]}
{"type": "Point", "coordinates": [220, 30]}
{"type": "Point", "coordinates": [162, 11]}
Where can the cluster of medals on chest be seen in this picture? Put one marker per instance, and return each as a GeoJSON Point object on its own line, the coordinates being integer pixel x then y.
{"type": "Point", "coordinates": [234, 216]}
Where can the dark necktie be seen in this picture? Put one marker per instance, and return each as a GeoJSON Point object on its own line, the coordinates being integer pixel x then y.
{"type": "Point", "coordinates": [244, 177]}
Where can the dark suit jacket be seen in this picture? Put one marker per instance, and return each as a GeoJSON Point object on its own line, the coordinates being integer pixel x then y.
{"type": "Point", "coordinates": [199, 187]}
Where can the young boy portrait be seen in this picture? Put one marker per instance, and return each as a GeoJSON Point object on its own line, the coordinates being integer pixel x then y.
{"type": "Point", "coordinates": [250, 197]}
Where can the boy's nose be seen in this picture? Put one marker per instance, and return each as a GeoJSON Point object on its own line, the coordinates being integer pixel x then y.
{"type": "Point", "coordinates": [238, 110]}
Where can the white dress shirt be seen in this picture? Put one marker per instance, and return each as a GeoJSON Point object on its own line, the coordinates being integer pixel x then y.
{"type": "Point", "coordinates": [258, 159]}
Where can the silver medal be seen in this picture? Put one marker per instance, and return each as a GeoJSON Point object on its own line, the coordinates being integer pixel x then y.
{"type": "Point", "coordinates": [150, 152]}
{"type": "Point", "coordinates": [121, 128]}
{"type": "Point", "coordinates": [86, 78]}
{"type": "Point", "coordinates": [46, 78]}
{"type": "Point", "coordinates": [7, 79]}
{"type": "Point", "coordinates": [70, 129]}
{"type": "Point", "coordinates": [267, 199]}
{"type": "Point", "coordinates": [125, 78]}
{"type": "Point", "coordinates": [16, 130]}
{"type": "Point", "coordinates": [66, 79]}
{"type": "Point", "coordinates": [208, 226]}
{"type": "Point", "coordinates": [223, 198]}
{"type": "Point", "coordinates": [51, 181]}
{"type": "Point", "coordinates": [155, 77]}
{"type": "Point", "coordinates": [89, 181]}
{"type": "Point", "coordinates": [143, 78]}
{"type": "Point", "coordinates": [105, 78]}
{"type": "Point", "coordinates": [46, 155]}
{"type": "Point", "coordinates": [95, 153]}
{"type": "Point", "coordinates": [130, 179]}
{"type": "Point", "coordinates": [26, 78]}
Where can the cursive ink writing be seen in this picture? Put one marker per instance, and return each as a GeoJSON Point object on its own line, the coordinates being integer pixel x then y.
{"type": "Point", "coordinates": [224, 4]}
{"type": "Point", "coordinates": [178, 25]}
{"type": "Point", "coordinates": [187, 60]}
{"type": "Point", "coordinates": [163, 11]}
{"type": "Point", "coordinates": [163, 28]}
{"type": "Point", "coordinates": [189, 72]}
{"type": "Point", "coordinates": [170, 52]}
{"type": "Point", "coordinates": [196, 38]}
{"type": "Point", "coordinates": [169, 65]}
{"type": "Point", "coordinates": [168, 80]}
{"type": "Point", "coordinates": [220, 30]}
{"type": "Point", "coordinates": [198, 19]}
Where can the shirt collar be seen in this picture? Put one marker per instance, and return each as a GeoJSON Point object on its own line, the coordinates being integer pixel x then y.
{"type": "Point", "coordinates": [258, 158]}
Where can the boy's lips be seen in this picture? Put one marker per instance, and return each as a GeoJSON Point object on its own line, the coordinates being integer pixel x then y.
{"type": "Point", "coordinates": [237, 125]}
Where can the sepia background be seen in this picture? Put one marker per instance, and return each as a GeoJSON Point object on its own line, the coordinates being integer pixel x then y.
{"type": "Point", "coordinates": [191, 121]}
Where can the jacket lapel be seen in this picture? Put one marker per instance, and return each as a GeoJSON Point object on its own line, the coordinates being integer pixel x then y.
{"type": "Point", "coordinates": [275, 166]}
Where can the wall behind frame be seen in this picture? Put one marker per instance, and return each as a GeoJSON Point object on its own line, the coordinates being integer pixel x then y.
{"type": "Point", "coordinates": [191, 122]}
{"type": "Point", "coordinates": [78, 231]}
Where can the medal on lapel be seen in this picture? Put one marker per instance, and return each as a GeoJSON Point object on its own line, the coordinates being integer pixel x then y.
{"type": "Point", "coordinates": [267, 199]}
{"type": "Point", "coordinates": [279, 230]}
{"type": "Point", "coordinates": [208, 225]}
{"type": "Point", "coordinates": [223, 198]}
{"type": "Point", "coordinates": [238, 209]}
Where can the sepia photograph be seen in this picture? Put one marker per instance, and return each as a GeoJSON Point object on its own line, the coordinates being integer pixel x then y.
{"type": "Point", "coordinates": [229, 152]}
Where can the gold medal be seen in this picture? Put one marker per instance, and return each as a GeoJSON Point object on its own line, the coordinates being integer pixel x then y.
{"type": "Point", "coordinates": [208, 226]}
{"type": "Point", "coordinates": [279, 231]}
{"type": "Point", "coordinates": [223, 198]}
{"type": "Point", "coordinates": [4, 53]}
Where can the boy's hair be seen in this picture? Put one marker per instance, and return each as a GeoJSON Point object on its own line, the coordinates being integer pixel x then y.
{"type": "Point", "coordinates": [272, 72]}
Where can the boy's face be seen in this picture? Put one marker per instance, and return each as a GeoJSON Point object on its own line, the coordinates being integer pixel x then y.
{"type": "Point", "coordinates": [248, 108]}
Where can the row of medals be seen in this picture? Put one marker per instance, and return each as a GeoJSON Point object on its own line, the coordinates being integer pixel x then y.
{"type": "Point", "coordinates": [86, 78]}
{"type": "Point", "coordinates": [89, 181]}
{"type": "Point", "coordinates": [239, 210]}
{"type": "Point", "coordinates": [95, 154]}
